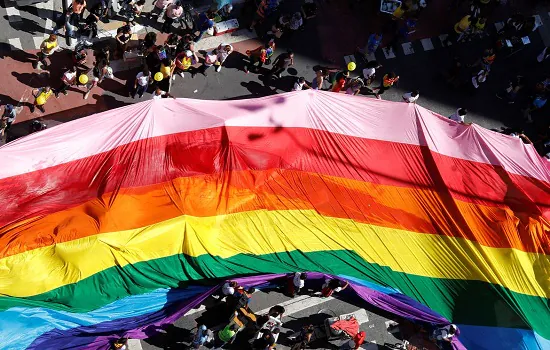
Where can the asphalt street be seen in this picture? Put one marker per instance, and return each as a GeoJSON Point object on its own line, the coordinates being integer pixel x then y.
{"type": "Point", "coordinates": [300, 311]}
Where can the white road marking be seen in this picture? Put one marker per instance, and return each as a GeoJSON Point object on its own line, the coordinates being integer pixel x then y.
{"type": "Point", "coordinates": [15, 42]}
{"type": "Point", "coordinates": [12, 11]}
{"type": "Point", "coordinates": [408, 48]}
{"type": "Point", "coordinates": [134, 344]}
{"type": "Point", "coordinates": [388, 53]}
{"type": "Point", "coordinates": [427, 44]}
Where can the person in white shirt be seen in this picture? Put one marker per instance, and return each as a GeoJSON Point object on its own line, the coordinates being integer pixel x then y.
{"type": "Point", "coordinates": [459, 115]}
{"type": "Point", "coordinates": [299, 84]}
{"type": "Point", "coordinates": [446, 333]}
{"type": "Point", "coordinates": [223, 51]}
{"type": "Point", "coordinates": [228, 288]}
{"type": "Point", "coordinates": [158, 94]}
{"type": "Point", "coordinates": [68, 79]}
{"type": "Point", "coordinates": [411, 97]}
{"type": "Point", "coordinates": [478, 79]}
{"type": "Point", "coordinates": [299, 280]}
{"type": "Point", "coordinates": [143, 79]}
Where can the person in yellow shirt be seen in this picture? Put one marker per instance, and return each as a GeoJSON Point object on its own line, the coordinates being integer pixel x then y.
{"type": "Point", "coordinates": [41, 97]}
{"type": "Point", "coordinates": [47, 48]}
{"type": "Point", "coordinates": [167, 67]}
{"type": "Point", "coordinates": [459, 29]}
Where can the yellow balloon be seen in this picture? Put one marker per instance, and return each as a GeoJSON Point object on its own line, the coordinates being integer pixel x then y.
{"type": "Point", "coordinates": [40, 100]}
{"type": "Point", "coordinates": [351, 66]}
{"type": "Point", "coordinates": [83, 79]}
{"type": "Point", "coordinates": [158, 76]}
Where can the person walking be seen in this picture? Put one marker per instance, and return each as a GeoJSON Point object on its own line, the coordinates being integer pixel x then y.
{"type": "Point", "coordinates": [373, 43]}
{"type": "Point", "coordinates": [459, 29]}
{"type": "Point", "coordinates": [259, 55]}
{"type": "Point", "coordinates": [172, 13]}
{"type": "Point", "coordinates": [205, 22]}
{"type": "Point", "coordinates": [411, 97]}
{"type": "Point", "coordinates": [184, 63]}
{"type": "Point", "coordinates": [281, 63]}
{"type": "Point", "coordinates": [459, 115]}
{"type": "Point", "coordinates": [68, 79]}
{"type": "Point", "coordinates": [159, 93]}
{"type": "Point", "coordinates": [48, 47]}
{"type": "Point", "coordinates": [201, 337]}
{"type": "Point", "coordinates": [317, 82]}
{"type": "Point", "coordinates": [478, 79]}
{"type": "Point", "coordinates": [210, 59]}
{"type": "Point", "coordinates": [223, 51]}
{"type": "Point", "coordinates": [123, 36]}
{"type": "Point", "coordinates": [300, 84]}
{"type": "Point", "coordinates": [355, 86]}
{"type": "Point", "coordinates": [387, 82]}
{"type": "Point", "coordinates": [167, 67]}
{"type": "Point", "coordinates": [8, 117]}
{"type": "Point", "coordinates": [227, 335]}
{"type": "Point", "coordinates": [142, 82]}
{"type": "Point", "coordinates": [158, 8]}
{"type": "Point", "coordinates": [41, 97]}
{"type": "Point", "coordinates": [99, 72]}
{"type": "Point", "coordinates": [340, 80]}
{"type": "Point", "coordinates": [296, 282]}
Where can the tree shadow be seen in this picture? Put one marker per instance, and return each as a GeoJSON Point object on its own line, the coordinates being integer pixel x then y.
{"type": "Point", "coordinates": [33, 80]}
{"type": "Point", "coordinates": [258, 90]}
{"type": "Point", "coordinates": [7, 50]}
{"type": "Point", "coordinates": [167, 336]}
{"type": "Point", "coordinates": [26, 25]}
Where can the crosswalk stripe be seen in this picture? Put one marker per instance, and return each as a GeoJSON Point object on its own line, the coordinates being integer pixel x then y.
{"type": "Point", "coordinates": [388, 52]}
{"type": "Point", "coordinates": [15, 42]}
{"type": "Point", "coordinates": [407, 48]}
{"type": "Point", "coordinates": [12, 12]}
{"type": "Point", "coordinates": [427, 44]}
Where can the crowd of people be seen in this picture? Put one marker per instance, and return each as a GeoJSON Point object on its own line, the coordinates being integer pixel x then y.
{"type": "Point", "coordinates": [245, 329]}
{"type": "Point", "coordinates": [262, 331]}
{"type": "Point", "coordinates": [163, 61]}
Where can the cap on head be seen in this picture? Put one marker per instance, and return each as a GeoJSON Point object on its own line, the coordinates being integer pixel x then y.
{"type": "Point", "coordinates": [9, 107]}
{"type": "Point", "coordinates": [203, 328]}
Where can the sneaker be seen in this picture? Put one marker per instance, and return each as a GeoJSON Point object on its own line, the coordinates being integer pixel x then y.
{"type": "Point", "coordinates": [31, 107]}
{"type": "Point", "coordinates": [193, 74]}
{"type": "Point", "coordinates": [378, 97]}
{"type": "Point", "coordinates": [181, 74]}
{"type": "Point", "coordinates": [86, 95]}
{"type": "Point", "coordinates": [173, 77]}
{"type": "Point", "coordinates": [278, 76]}
{"type": "Point", "coordinates": [218, 68]}
{"type": "Point", "coordinates": [56, 94]}
{"type": "Point", "coordinates": [65, 93]}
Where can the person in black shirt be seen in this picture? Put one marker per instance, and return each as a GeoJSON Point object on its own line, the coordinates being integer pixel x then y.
{"type": "Point", "coordinates": [282, 62]}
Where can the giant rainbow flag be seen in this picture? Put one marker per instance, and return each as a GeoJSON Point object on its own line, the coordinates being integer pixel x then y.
{"type": "Point", "coordinates": [107, 221]}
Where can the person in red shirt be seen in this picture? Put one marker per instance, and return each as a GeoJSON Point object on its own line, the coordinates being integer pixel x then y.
{"type": "Point", "coordinates": [359, 339]}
